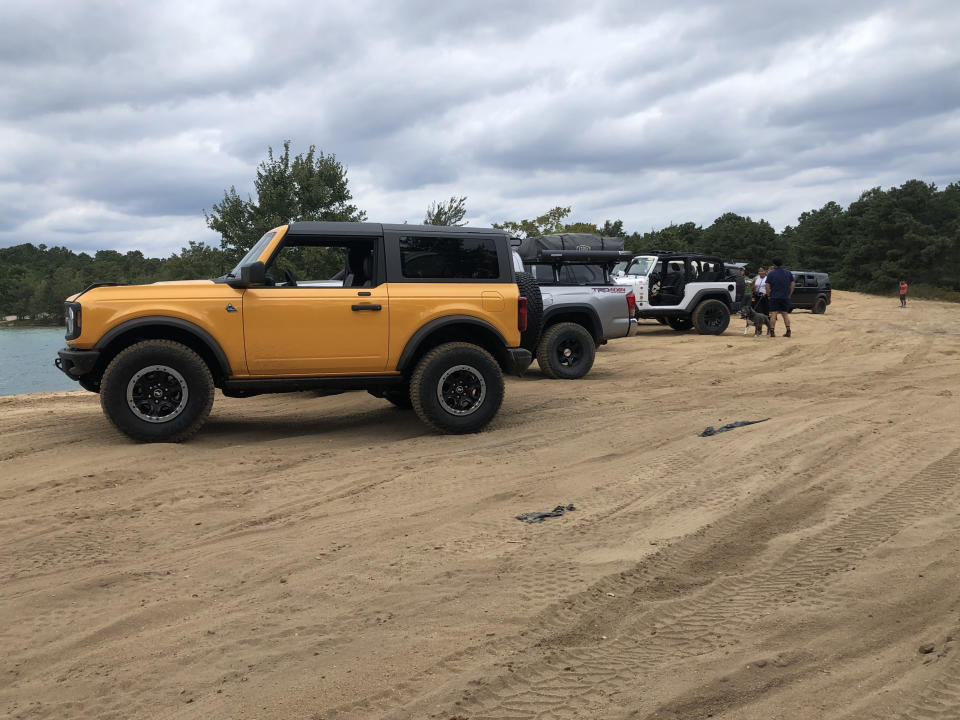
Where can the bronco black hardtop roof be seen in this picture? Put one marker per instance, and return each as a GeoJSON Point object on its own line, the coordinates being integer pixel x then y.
{"type": "Point", "coordinates": [357, 228]}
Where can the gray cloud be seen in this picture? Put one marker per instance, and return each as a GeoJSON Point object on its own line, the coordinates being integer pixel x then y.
{"type": "Point", "coordinates": [120, 122]}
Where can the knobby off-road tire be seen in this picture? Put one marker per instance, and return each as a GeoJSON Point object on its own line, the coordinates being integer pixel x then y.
{"type": "Point", "coordinates": [457, 388]}
{"type": "Point", "coordinates": [157, 391]}
{"type": "Point", "coordinates": [566, 351]}
{"type": "Point", "coordinates": [820, 306]}
{"type": "Point", "coordinates": [530, 289]}
{"type": "Point", "coordinates": [680, 324]}
{"type": "Point", "coordinates": [711, 317]}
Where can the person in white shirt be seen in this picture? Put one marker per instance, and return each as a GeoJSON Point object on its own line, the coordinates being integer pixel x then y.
{"type": "Point", "coordinates": [758, 296]}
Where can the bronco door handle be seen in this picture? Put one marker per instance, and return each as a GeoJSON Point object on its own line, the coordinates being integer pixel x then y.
{"type": "Point", "coordinates": [365, 307]}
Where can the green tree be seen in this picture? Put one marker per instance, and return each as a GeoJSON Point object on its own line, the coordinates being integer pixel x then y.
{"type": "Point", "coordinates": [613, 229]}
{"type": "Point", "coordinates": [311, 186]}
{"type": "Point", "coordinates": [817, 240]}
{"type": "Point", "coordinates": [450, 212]}
{"type": "Point", "coordinates": [548, 223]}
{"type": "Point", "coordinates": [686, 237]}
{"type": "Point", "coordinates": [737, 238]}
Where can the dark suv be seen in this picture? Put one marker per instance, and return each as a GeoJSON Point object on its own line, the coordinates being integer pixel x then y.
{"type": "Point", "coordinates": [811, 292]}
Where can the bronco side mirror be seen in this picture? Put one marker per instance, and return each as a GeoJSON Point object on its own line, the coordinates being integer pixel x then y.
{"type": "Point", "coordinates": [255, 274]}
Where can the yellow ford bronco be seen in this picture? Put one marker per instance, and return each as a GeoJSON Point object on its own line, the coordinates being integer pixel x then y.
{"type": "Point", "coordinates": [426, 317]}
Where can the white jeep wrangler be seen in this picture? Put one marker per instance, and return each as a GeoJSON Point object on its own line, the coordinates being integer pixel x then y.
{"type": "Point", "coordinates": [683, 290]}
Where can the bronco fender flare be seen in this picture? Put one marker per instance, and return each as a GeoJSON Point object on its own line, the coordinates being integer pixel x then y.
{"type": "Point", "coordinates": [164, 320]}
{"type": "Point", "coordinates": [413, 344]}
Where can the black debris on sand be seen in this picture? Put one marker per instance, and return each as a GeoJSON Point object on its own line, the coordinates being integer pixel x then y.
{"type": "Point", "coordinates": [539, 517]}
{"type": "Point", "coordinates": [740, 423]}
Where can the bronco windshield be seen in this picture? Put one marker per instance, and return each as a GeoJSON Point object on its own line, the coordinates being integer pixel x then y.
{"type": "Point", "coordinates": [641, 266]}
{"type": "Point", "coordinates": [253, 253]}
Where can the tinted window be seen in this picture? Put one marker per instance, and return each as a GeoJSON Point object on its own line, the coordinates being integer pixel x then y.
{"type": "Point", "coordinates": [543, 273]}
{"type": "Point", "coordinates": [581, 275]}
{"type": "Point", "coordinates": [449, 257]}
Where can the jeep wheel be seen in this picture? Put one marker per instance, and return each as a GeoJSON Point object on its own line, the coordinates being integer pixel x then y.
{"type": "Point", "coordinates": [457, 388]}
{"type": "Point", "coordinates": [566, 351]}
{"type": "Point", "coordinates": [157, 391]}
{"type": "Point", "coordinates": [711, 317]}
{"type": "Point", "coordinates": [530, 289]}
{"type": "Point", "coordinates": [680, 324]}
{"type": "Point", "coordinates": [820, 307]}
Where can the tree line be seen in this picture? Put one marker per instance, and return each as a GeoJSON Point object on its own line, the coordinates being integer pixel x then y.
{"type": "Point", "coordinates": [911, 232]}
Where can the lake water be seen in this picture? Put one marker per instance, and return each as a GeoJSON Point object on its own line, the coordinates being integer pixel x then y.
{"type": "Point", "coordinates": [26, 361]}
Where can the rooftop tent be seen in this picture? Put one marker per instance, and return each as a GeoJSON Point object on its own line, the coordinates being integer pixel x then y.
{"type": "Point", "coordinates": [530, 247]}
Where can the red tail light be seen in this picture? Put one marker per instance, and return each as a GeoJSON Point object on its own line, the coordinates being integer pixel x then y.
{"type": "Point", "coordinates": [631, 302]}
{"type": "Point", "coordinates": [522, 313]}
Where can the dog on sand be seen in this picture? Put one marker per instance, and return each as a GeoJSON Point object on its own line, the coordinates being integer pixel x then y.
{"type": "Point", "coordinates": [759, 320]}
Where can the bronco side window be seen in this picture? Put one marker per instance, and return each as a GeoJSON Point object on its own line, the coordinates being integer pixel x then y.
{"type": "Point", "coordinates": [322, 263]}
{"type": "Point", "coordinates": [448, 258]}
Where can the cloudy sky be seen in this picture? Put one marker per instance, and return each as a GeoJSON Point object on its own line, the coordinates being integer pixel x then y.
{"type": "Point", "coordinates": [120, 122]}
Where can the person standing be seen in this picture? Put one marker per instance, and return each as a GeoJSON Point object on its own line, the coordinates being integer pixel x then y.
{"type": "Point", "coordinates": [903, 293]}
{"type": "Point", "coordinates": [780, 285]}
{"type": "Point", "coordinates": [758, 296]}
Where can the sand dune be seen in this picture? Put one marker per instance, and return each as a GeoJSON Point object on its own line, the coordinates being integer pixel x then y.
{"type": "Point", "coordinates": [328, 558]}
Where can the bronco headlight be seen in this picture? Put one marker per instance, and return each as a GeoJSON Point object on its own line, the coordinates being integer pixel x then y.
{"type": "Point", "coordinates": [71, 312]}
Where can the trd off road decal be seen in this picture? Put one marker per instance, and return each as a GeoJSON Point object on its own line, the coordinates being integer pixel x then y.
{"type": "Point", "coordinates": [619, 289]}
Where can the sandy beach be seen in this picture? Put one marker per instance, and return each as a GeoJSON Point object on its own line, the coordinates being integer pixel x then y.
{"type": "Point", "coordinates": [327, 558]}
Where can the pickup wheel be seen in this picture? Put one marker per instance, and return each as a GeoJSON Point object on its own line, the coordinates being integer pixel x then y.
{"type": "Point", "coordinates": [680, 324]}
{"type": "Point", "coordinates": [157, 391]}
{"type": "Point", "coordinates": [456, 388]}
{"type": "Point", "coordinates": [530, 289]}
{"type": "Point", "coordinates": [711, 317]}
{"type": "Point", "coordinates": [566, 351]}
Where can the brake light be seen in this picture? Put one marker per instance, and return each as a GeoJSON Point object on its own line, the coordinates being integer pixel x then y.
{"type": "Point", "coordinates": [631, 302]}
{"type": "Point", "coordinates": [522, 313]}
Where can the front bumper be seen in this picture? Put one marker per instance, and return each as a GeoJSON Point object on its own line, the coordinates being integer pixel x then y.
{"type": "Point", "coordinates": [518, 360]}
{"type": "Point", "coordinates": [76, 363]}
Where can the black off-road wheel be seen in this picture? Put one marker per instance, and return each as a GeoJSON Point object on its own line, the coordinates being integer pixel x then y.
{"type": "Point", "coordinates": [157, 391]}
{"type": "Point", "coordinates": [566, 351]}
{"type": "Point", "coordinates": [530, 289]}
{"type": "Point", "coordinates": [711, 317]}
{"type": "Point", "coordinates": [680, 324]}
{"type": "Point", "coordinates": [457, 388]}
{"type": "Point", "coordinates": [820, 306]}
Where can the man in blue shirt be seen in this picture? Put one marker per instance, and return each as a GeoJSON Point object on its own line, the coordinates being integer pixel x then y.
{"type": "Point", "coordinates": [780, 285]}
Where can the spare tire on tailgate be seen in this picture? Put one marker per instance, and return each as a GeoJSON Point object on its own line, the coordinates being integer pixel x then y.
{"type": "Point", "coordinates": [530, 289]}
